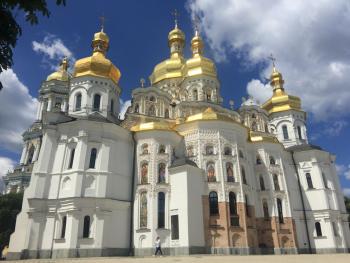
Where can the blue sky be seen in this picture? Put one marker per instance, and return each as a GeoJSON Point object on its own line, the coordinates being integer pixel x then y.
{"type": "Point", "coordinates": [312, 54]}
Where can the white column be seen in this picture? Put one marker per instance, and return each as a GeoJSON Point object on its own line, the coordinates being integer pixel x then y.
{"type": "Point", "coordinates": [23, 156]}
{"type": "Point", "coordinates": [38, 113]}
{"type": "Point", "coordinates": [36, 153]}
{"type": "Point", "coordinates": [49, 104]}
{"type": "Point", "coordinates": [64, 109]}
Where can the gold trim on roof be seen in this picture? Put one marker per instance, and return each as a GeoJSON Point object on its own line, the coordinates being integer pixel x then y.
{"type": "Point", "coordinates": [209, 114]}
{"type": "Point", "coordinates": [262, 137]}
{"type": "Point", "coordinates": [61, 73]}
{"type": "Point", "coordinates": [149, 126]}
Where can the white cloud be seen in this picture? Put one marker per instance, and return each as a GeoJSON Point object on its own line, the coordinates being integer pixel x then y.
{"type": "Point", "coordinates": [53, 50]}
{"type": "Point", "coordinates": [18, 111]}
{"type": "Point", "coordinates": [309, 38]}
{"type": "Point", "coordinates": [259, 91]}
{"type": "Point", "coordinates": [343, 170]}
{"type": "Point", "coordinates": [330, 129]}
{"type": "Point", "coordinates": [6, 164]}
{"type": "Point", "coordinates": [124, 105]}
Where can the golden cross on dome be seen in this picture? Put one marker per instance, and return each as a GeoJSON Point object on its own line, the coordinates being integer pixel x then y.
{"type": "Point", "coordinates": [273, 59]}
{"type": "Point", "coordinates": [103, 20]}
{"type": "Point", "coordinates": [176, 15]}
{"type": "Point", "coordinates": [196, 22]}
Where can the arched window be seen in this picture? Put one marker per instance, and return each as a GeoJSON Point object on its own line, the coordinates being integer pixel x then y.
{"type": "Point", "coordinates": [208, 96]}
{"type": "Point", "coordinates": [285, 132]}
{"type": "Point", "coordinates": [66, 183]}
{"type": "Point", "coordinates": [86, 229]}
{"type": "Point", "coordinates": [71, 158]}
{"type": "Point", "coordinates": [63, 226]}
{"type": "Point", "coordinates": [229, 172]}
{"type": "Point", "coordinates": [309, 181]}
{"type": "Point", "coordinates": [161, 210]}
{"type": "Point", "coordinates": [93, 156]}
{"type": "Point", "coordinates": [190, 151]}
{"type": "Point", "coordinates": [244, 179]}
{"type": "Point", "coordinates": [166, 113]}
{"type": "Point", "coordinates": [234, 219]}
{"type": "Point", "coordinates": [97, 102]}
{"type": "Point", "coordinates": [272, 160]}
{"type": "Point", "coordinates": [112, 107]}
{"type": "Point", "coordinates": [227, 151]}
{"type": "Point", "coordinates": [136, 108]}
{"type": "Point", "coordinates": [211, 172]}
{"type": "Point", "coordinates": [258, 160]}
{"type": "Point", "coordinates": [254, 126]}
{"type": "Point", "coordinates": [152, 98]}
{"type": "Point", "coordinates": [266, 210]}
{"type": "Point", "coordinates": [209, 150]}
{"type": "Point", "coordinates": [299, 132]}
{"type": "Point", "coordinates": [143, 210]}
{"type": "Point", "coordinates": [253, 116]}
{"type": "Point", "coordinates": [31, 154]}
{"type": "Point", "coordinates": [275, 182]}
{"type": "Point", "coordinates": [195, 94]}
{"type": "Point", "coordinates": [318, 229]}
{"type": "Point", "coordinates": [78, 102]}
{"type": "Point", "coordinates": [266, 128]}
{"type": "Point", "coordinates": [161, 149]}
{"type": "Point", "coordinates": [262, 184]}
{"type": "Point", "coordinates": [247, 210]}
{"type": "Point", "coordinates": [144, 148]}
{"type": "Point", "coordinates": [280, 211]}
{"type": "Point", "coordinates": [152, 110]}
{"type": "Point", "coordinates": [240, 154]}
{"type": "Point", "coordinates": [213, 203]}
{"type": "Point", "coordinates": [144, 173]}
{"type": "Point", "coordinates": [161, 173]}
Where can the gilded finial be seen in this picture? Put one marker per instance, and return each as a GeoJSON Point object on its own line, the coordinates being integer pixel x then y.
{"type": "Point", "coordinates": [102, 19]}
{"type": "Point", "coordinates": [142, 82]}
{"type": "Point", "coordinates": [64, 63]}
{"type": "Point", "coordinates": [196, 22]}
{"type": "Point", "coordinates": [176, 14]}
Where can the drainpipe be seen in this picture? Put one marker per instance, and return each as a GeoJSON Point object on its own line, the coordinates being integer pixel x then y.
{"type": "Point", "coordinates": [132, 197]}
{"type": "Point", "coordinates": [302, 202]}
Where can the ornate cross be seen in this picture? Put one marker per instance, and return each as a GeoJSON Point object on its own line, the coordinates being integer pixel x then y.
{"type": "Point", "coordinates": [196, 22]}
{"type": "Point", "coordinates": [102, 19]}
{"type": "Point", "coordinates": [176, 14]}
{"type": "Point", "coordinates": [273, 59]}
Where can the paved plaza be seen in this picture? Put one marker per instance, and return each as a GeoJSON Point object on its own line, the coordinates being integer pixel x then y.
{"type": "Point", "coordinates": [319, 258]}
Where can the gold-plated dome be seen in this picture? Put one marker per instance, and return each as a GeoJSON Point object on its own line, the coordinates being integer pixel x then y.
{"type": "Point", "coordinates": [198, 64]}
{"type": "Point", "coordinates": [172, 67]}
{"type": "Point", "coordinates": [280, 100]}
{"type": "Point", "coordinates": [98, 64]}
{"type": "Point", "coordinates": [62, 73]}
{"type": "Point", "coordinates": [209, 114]}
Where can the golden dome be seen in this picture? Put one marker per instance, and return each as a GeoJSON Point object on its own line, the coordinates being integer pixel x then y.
{"type": "Point", "coordinates": [98, 64]}
{"type": "Point", "coordinates": [198, 64]}
{"type": "Point", "coordinates": [62, 73]}
{"type": "Point", "coordinates": [172, 67]}
{"type": "Point", "coordinates": [280, 100]}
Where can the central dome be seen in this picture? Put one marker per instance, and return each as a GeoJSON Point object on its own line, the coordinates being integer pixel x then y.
{"type": "Point", "coordinates": [98, 64]}
{"type": "Point", "coordinates": [172, 67]}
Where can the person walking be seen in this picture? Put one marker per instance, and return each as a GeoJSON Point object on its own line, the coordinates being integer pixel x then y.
{"type": "Point", "coordinates": [158, 247]}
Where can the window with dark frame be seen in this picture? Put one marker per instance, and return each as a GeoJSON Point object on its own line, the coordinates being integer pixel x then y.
{"type": "Point", "coordinates": [174, 227]}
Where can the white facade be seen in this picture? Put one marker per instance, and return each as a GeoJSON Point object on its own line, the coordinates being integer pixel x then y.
{"type": "Point", "coordinates": [203, 178]}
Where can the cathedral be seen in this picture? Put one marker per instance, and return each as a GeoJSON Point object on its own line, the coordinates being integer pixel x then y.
{"type": "Point", "coordinates": [204, 178]}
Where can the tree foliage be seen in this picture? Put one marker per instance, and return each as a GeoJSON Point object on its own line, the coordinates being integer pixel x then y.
{"type": "Point", "coordinates": [10, 30]}
{"type": "Point", "coordinates": [10, 206]}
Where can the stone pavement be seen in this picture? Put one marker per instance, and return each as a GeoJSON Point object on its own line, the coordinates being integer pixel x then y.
{"type": "Point", "coordinates": [320, 258]}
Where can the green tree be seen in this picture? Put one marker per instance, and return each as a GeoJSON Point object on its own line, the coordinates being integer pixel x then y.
{"type": "Point", "coordinates": [10, 206]}
{"type": "Point", "coordinates": [10, 30]}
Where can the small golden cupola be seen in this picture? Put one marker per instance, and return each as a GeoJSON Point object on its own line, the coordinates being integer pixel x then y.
{"type": "Point", "coordinates": [97, 64]}
{"type": "Point", "coordinates": [62, 72]}
{"type": "Point", "coordinates": [172, 67]}
{"type": "Point", "coordinates": [198, 64]}
{"type": "Point", "coordinates": [280, 100]}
